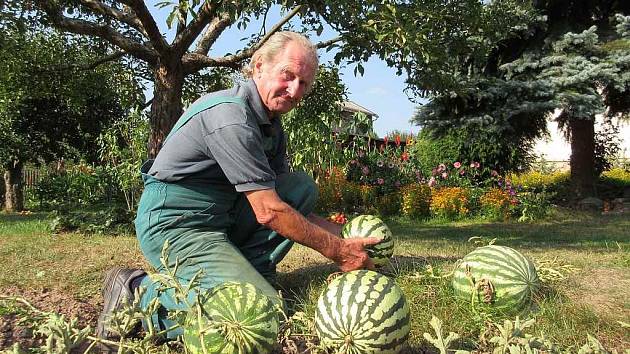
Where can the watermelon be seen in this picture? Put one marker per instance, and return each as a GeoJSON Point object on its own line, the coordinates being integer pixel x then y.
{"type": "Point", "coordinates": [496, 275]}
{"type": "Point", "coordinates": [371, 226]}
{"type": "Point", "coordinates": [362, 312]}
{"type": "Point", "coordinates": [232, 318]}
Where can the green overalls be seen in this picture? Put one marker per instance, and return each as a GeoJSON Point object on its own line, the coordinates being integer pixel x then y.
{"type": "Point", "coordinates": [213, 228]}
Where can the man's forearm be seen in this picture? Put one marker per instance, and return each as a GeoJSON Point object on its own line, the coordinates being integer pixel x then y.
{"type": "Point", "coordinates": [293, 225]}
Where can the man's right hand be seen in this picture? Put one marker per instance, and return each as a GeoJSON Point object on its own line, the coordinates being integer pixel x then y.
{"type": "Point", "coordinates": [351, 254]}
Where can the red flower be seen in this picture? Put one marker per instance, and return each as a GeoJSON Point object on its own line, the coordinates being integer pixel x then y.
{"type": "Point", "coordinates": [397, 140]}
{"type": "Point", "coordinates": [404, 156]}
{"type": "Point", "coordinates": [385, 140]}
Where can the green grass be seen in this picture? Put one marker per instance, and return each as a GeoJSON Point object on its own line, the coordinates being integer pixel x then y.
{"type": "Point", "coordinates": [591, 300]}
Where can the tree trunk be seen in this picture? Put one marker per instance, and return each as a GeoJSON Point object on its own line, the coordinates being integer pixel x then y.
{"type": "Point", "coordinates": [13, 191]}
{"type": "Point", "coordinates": [167, 104]}
{"type": "Point", "coordinates": [583, 157]}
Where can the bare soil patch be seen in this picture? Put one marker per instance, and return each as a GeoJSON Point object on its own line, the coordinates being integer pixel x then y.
{"type": "Point", "coordinates": [605, 290]}
{"type": "Point", "coordinates": [12, 330]}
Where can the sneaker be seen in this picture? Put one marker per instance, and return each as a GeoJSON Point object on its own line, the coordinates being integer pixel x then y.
{"type": "Point", "coordinates": [117, 292]}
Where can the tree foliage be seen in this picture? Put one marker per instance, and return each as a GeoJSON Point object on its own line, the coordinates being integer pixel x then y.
{"type": "Point", "coordinates": [312, 143]}
{"type": "Point", "coordinates": [411, 36]}
{"type": "Point", "coordinates": [51, 104]}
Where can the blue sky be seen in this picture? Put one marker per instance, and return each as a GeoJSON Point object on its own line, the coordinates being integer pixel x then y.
{"type": "Point", "coordinates": [378, 90]}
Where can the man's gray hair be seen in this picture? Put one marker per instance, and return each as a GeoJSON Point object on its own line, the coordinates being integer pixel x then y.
{"type": "Point", "coordinates": [275, 44]}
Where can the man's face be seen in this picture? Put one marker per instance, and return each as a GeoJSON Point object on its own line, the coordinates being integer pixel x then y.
{"type": "Point", "coordinates": [283, 81]}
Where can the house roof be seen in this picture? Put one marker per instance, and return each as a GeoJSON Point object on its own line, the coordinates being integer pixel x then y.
{"type": "Point", "coordinates": [354, 107]}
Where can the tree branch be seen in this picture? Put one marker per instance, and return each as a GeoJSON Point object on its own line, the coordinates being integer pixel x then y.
{"type": "Point", "coordinates": [186, 37]}
{"type": "Point", "coordinates": [103, 31]}
{"type": "Point", "coordinates": [153, 32]}
{"type": "Point", "coordinates": [212, 33]}
{"type": "Point", "coordinates": [121, 16]}
{"type": "Point", "coordinates": [278, 25]}
{"type": "Point", "coordinates": [329, 42]}
{"type": "Point", "coordinates": [194, 62]}
{"type": "Point", "coordinates": [114, 56]}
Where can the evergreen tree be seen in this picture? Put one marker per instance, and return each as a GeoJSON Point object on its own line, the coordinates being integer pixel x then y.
{"type": "Point", "coordinates": [575, 61]}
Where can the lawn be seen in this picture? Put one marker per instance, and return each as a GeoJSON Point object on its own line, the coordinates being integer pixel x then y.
{"type": "Point", "coordinates": [62, 273]}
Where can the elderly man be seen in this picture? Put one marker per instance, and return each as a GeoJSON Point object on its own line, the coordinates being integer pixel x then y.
{"type": "Point", "coordinates": [221, 193]}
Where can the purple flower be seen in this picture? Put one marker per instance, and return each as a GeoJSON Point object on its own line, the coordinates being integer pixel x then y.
{"type": "Point", "coordinates": [380, 181]}
{"type": "Point", "coordinates": [365, 170]}
{"type": "Point", "coordinates": [397, 184]}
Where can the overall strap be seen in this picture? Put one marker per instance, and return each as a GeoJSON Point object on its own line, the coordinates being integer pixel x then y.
{"type": "Point", "coordinates": [201, 106]}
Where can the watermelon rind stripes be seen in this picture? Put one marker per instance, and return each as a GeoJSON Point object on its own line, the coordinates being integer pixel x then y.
{"type": "Point", "coordinates": [372, 226]}
{"type": "Point", "coordinates": [512, 275]}
{"type": "Point", "coordinates": [362, 312]}
{"type": "Point", "coordinates": [233, 318]}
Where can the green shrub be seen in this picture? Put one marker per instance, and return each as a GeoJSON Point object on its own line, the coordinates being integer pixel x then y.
{"type": "Point", "coordinates": [533, 205]}
{"type": "Point", "coordinates": [75, 186]}
{"type": "Point", "coordinates": [427, 152]}
{"type": "Point", "coordinates": [111, 221]}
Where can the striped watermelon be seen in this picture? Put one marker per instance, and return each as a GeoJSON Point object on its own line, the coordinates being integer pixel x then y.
{"type": "Point", "coordinates": [371, 226]}
{"type": "Point", "coordinates": [233, 318]}
{"type": "Point", "coordinates": [362, 312]}
{"type": "Point", "coordinates": [501, 276]}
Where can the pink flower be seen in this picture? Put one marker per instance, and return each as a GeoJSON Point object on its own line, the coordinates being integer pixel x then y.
{"type": "Point", "coordinates": [462, 172]}
{"type": "Point", "coordinates": [365, 170]}
{"type": "Point", "coordinates": [441, 167]}
{"type": "Point", "coordinates": [457, 164]}
{"type": "Point", "coordinates": [397, 184]}
{"type": "Point", "coordinates": [474, 164]}
{"type": "Point", "coordinates": [380, 181]}
{"type": "Point", "coordinates": [432, 182]}
{"type": "Point", "coordinates": [434, 172]}
{"type": "Point", "coordinates": [444, 175]}
{"type": "Point", "coordinates": [361, 153]}
{"type": "Point", "coordinates": [352, 162]}
{"type": "Point", "coordinates": [494, 173]}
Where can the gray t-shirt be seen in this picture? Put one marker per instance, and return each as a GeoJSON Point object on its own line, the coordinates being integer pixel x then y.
{"type": "Point", "coordinates": [226, 144]}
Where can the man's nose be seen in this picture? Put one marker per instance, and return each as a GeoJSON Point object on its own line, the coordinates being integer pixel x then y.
{"type": "Point", "coordinates": [294, 88]}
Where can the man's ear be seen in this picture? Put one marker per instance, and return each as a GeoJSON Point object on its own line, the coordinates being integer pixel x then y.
{"type": "Point", "coordinates": [258, 66]}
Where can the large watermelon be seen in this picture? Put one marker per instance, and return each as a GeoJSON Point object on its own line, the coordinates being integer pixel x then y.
{"type": "Point", "coordinates": [371, 226]}
{"type": "Point", "coordinates": [496, 275]}
{"type": "Point", "coordinates": [362, 312]}
{"type": "Point", "coordinates": [233, 318]}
